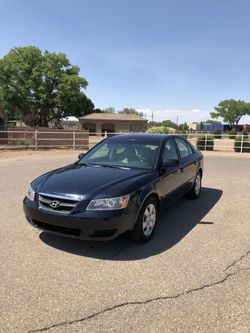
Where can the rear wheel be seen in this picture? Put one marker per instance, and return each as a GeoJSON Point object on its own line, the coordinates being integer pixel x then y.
{"type": "Point", "coordinates": [196, 189]}
{"type": "Point", "coordinates": [145, 225]}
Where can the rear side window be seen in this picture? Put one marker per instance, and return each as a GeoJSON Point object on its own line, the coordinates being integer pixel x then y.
{"type": "Point", "coordinates": [183, 147]}
{"type": "Point", "coordinates": [190, 149]}
{"type": "Point", "coordinates": [169, 151]}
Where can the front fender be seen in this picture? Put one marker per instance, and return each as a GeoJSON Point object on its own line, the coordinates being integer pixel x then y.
{"type": "Point", "coordinates": [143, 195]}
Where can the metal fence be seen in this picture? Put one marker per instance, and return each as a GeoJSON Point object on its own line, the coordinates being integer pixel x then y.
{"type": "Point", "coordinates": [76, 139]}
{"type": "Point", "coordinates": [220, 142]}
{"type": "Point", "coordinates": [42, 139]}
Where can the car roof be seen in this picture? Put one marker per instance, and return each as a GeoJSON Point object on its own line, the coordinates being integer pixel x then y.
{"type": "Point", "coordinates": [139, 137]}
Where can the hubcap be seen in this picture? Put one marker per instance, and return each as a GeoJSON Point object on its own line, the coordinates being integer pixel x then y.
{"type": "Point", "coordinates": [149, 219]}
{"type": "Point", "coordinates": [197, 184]}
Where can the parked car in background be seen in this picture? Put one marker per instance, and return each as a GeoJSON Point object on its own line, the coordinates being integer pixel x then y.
{"type": "Point", "coordinates": [118, 185]}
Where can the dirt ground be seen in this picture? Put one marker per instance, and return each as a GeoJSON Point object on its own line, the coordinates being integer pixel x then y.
{"type": "Point", "coordinates": [5, 154]}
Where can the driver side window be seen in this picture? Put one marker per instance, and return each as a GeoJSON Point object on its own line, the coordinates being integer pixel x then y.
{"type": "Point", "coordinates": [169, 152]}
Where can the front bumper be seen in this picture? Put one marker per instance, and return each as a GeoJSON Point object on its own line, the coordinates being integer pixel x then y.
{"type": "Point", "coordinates": [94, 226]}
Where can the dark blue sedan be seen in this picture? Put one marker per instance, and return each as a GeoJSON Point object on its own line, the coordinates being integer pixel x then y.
{"type": "Point", "coordinates": [117, 186]}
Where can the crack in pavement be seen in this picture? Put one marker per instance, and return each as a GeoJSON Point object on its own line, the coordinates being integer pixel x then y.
{"type": "Point", "coordinates": [237, 260]}
{"type": "Point", "coordinates": [150, 300]}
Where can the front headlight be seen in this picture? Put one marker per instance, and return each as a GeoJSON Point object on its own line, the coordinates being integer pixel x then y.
{"type": "Point", "coordinates": [31, 194]}
{"type": "Point", "coordinates": [109, 204]}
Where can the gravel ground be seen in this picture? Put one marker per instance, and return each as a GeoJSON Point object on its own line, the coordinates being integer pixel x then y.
{"type": "Point", "coordinates": [194, 276]}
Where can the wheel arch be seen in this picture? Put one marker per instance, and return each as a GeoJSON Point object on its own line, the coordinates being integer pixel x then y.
{"type": "Point", "coordinates": [201, 171]}
{"type": "Point", "coordinates": [145, 195]}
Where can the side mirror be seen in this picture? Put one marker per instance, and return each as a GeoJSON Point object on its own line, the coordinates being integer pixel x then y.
{"type": "Point", "coordinates": [169, 163]}
{"type": "Point", "coordinates": [80, 156]}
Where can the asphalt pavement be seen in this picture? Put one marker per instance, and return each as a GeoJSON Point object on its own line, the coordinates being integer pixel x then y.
{"type": "Point", "coordinates": [193, 276]}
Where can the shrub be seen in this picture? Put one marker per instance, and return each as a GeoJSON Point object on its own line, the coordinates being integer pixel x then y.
{"type": "Point", "coordinates": [182, 134]}
{"type": "Point", "coordinates": [217, 134]}
{"type": "Point", "coordinates": [245, 145]}
{"type": "Point", "coordinates": [245, 133]}
{"type": "Point", "coordinates": [159, 130]}
{"type": "Point", "coordinates": [232, 134]}
{"type": "Point", "coordinates": [23, 143]}
{"type": "Point", "coordinates": [201, 143]}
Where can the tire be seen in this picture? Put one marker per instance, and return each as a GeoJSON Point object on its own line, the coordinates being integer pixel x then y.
{"type": "Point", "coordinates": [146, 221]}
{"type": "Point", "coordinates": [196, 189]}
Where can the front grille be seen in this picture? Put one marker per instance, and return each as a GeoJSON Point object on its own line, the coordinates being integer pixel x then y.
{"type": "Point", "coordinates": [58, 204]}
{"type": "Point", "coordinates": [55, 228]}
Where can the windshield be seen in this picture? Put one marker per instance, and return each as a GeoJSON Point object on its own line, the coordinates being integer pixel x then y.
{"type": "Point", "coordinates": [126, 154]}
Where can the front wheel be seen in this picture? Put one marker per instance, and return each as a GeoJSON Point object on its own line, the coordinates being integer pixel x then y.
{"type": "Point", "coordinates": [145, 225]}
{"type": "Point", "coordinates": [196, 189]}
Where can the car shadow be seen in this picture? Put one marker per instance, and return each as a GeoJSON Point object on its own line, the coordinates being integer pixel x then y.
{"type": "Point", "coordinates": [174, 224]}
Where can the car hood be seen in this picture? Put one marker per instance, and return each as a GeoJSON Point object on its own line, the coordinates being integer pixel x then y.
{"type": "Point", "coordinates": [87, 181]}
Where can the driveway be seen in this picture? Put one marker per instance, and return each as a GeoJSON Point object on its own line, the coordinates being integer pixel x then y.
{"type": "Point", "coordinates": [193, 276]}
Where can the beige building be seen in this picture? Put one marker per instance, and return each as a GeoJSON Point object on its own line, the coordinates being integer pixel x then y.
{"type": "Point", "coordinates": [112, 123]}
{"type": "Point", "coordinates": [194, 126]}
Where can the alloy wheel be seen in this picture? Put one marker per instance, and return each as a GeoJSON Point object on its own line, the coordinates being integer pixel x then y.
{"type": "Point", "coordinates": [197, 186]}
{"type": "Point", "coordinates": [149, 219]}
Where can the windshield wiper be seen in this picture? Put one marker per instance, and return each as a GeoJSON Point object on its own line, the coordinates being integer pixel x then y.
{"type": "Point", "coordinates": [104, 166]}
{"type": "Point", "coordinates": [114, 166]}
{"type": "Point", "coordinates": [85, 164]}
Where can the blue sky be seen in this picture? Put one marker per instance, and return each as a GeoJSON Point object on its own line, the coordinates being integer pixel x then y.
{"type": "Point", "coordinates": [176, 57]}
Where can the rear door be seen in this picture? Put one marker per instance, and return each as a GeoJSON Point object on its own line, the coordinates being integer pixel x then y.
{"type": "Point", "coordinates": [170, 178]}
{"type": "Point", "coordinates": [188, 162]}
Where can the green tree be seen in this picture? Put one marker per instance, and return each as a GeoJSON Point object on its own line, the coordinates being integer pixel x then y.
{"type": "Point", "coordinates": [110, 109]}
{"type": "Point", "coordinates": [159, 130]}
{"type": "Point", "coordinates": [130, 111]}
{"type": "Point", "coordinates": [97, 110]}
{"type": "Point", "coordinates": [183, 127]}
{"type": "Point", "coordinates": [1, 116]}
{"type": "Point", "coordinates": [169, 123]}
{"type": "Point", "coordinates": [231, 111]}
{"type": "Point", "coordinates": [202, 127]}
{"type": "Point", "coordinates": [211, 121]}
{"type": "Point", "coordinates": [154, 123]}
{"type": "Point", "coordinates": [41, 87]}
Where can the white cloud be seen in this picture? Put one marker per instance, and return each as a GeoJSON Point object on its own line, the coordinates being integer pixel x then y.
{"type": "Point", "coordinates": [188, 116]}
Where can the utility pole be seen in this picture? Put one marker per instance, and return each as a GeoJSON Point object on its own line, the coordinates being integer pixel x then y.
{"type": "Point", "coordinates": [177, 121]}
{"type": "Point", "coordinates": [152, 117]}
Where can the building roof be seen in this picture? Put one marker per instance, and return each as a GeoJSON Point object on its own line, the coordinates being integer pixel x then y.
{"type": "Point", "coordinates": [112, 117]}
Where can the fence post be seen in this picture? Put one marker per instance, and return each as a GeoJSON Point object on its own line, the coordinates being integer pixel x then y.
{"type": "Point", "coordinates": [206, 141]}
{"type": "Point", "coordinates": [74, 139]}
{"type": "Point", "coordinates": [242, 143]}
{"type": "Point", "coordinates": [36, 144]}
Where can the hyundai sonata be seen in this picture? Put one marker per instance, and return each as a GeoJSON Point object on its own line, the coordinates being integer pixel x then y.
{"type": "Point", "coordinates": [119, 185]}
